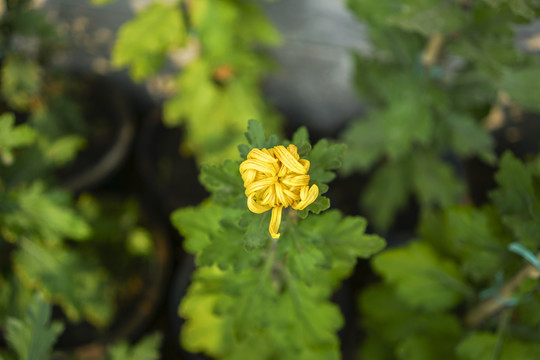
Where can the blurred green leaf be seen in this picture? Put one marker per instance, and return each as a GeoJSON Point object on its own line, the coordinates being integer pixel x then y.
{"type": "Point", "coordinates": [422, 278]}
{"type": "Point", "coordinates": [50, 270]}
{"type": "Point", "coordinates": [387, 192]}
{"type": "Point", "coordinates": [21, 82]}
{"type": "Point", "coordinates": [469, 138]}
{"type": "Point", "coordinates": [324, 158]}
{"type": "Point", "coordinates": [44, 213]}
{"type": "Point", "coordinates": [145, 349]}
{"type": "Point", "coordinates": [482, 346]}
{"type": "Point", "coordinates": [12, 136]}
{"type": "Point", "coordinates": [522, 86]}
{"type": "Point", "coordinates": [398, 331]}
{"type": "Point", "coordinates": [142, 43]}
{"type": "Point", "coordinates": [33, 337]}
{"type": "Point", "coordinates": [433, 180]}
{"type": "Point", "coordinates": [365, 145]}
{"type": "Point", "coordinates": [517, 201]}
{"type": "Point", "coordinates": [64, 149]}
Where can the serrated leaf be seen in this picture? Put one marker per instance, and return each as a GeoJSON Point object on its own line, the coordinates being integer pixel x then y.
{"type": "Point", "coordinates": [522, 86]}
{"type": "Point", "coordinates": [46, 214]}
{"type": "Point", "coordinates": [301, 140]}
{"type": "Point", "coordinates": [421, 277]}
{"type": "Point", "coordinates": [257, 139]}
{"type": "Point", "coordinates": [319, 205]}
{"type": "Point", "coordinates": [12, 137]}
{"type": "Point", "coordinates": [50, 270]}
{"type": "Point", "coordinates": [482, 346]}
{"type": "Point", "coordinates": [365, 145]}
{"type": "Point", "coordinates": [406, 122]}
{"type": "Point", "coordinates": [469, 138]}
{"type": "Point", "coordinates": [433, 180]}
{"type": "Point", "coordinates": [400, 330]}
{"type": "Point", "coordinates": [224, 183]}
{"type": "Point", "coordinates": [323, 158]}
{"type": "Point", "coordinates": [142, 42]}
{"type": "Point", "coordinates": [197, 224]}
{"type": "Point", "coordinates": [21, 82]}
{"type": "Point", "coordinates": [387, 192]}
{"type": "Point", "coordinates": [33, 337]}
{"type": "Point", "coordinates": [145, 349]}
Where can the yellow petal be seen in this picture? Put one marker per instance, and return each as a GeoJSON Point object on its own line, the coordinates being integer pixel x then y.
{"type": "Point", "coordinates": [259, 185]}
{"type": "Point", "coordinates": [288, 160]}
{"type": "Point", "coordinates": [255, 207]}
{"type": "Point", "coordinates": [275, 221]}
{"type": "Point", "coordinates": [312, 195]}
{"type": "Point", "coordinates": [259, 165]}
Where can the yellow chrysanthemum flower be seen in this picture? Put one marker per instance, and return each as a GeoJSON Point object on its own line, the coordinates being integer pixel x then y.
{"type": "Point", "coordinates": [275, 179]}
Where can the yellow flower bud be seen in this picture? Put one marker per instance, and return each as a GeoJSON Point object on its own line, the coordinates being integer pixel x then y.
{"type": "Point", "coordinates": [275, 179]}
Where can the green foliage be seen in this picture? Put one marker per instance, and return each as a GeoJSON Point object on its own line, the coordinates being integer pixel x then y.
{"type": "Point", "coordinates": [143, 43]}
{"type": "Point", "coordinates": [455, 271]}
{"type": "Point", "coordinates": [21, 82]}
{"type": "Point", "coordinates": [434, 72]}
{"type": "Point", "coordinates": [217, 46]}
{"type": "Point", "coordinates": [33, 336]}
{"type": "Point", "coordinates": [12, 137]}
{"type": "Point", "coordinates": [50, 270]}
{"type": "Point", "coordinates": [254, 297]}
{"type": "Point", "coordinates": [146, 349]}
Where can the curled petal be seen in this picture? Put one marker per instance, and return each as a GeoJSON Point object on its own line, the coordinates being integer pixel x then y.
{"type": "Point", "coordinates": [275, 221]}
{"type": "Point", "coordinates": [255, 207]}
{"type": "Point", "coordinates": [309, 199]}
{"type": "Point", "coordinates": [260, 185]}
{"type": "Point", "coordinates": [288, 160]}
{"type": "Point", "coordinates": [296, 180]}
{"type": "Point", "coordinates": [258, 165]}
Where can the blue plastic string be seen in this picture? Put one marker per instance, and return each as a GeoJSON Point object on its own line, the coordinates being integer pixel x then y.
{"type": "Point", "coordinates": [525, 253]}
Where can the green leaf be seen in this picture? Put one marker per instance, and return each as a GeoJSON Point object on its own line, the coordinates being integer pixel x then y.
{"type": "Point", "coordinates": [45, 213]}
{"type": "Point", "coordinates": [482, 346]}
{"type": "Point", "coordinates": [433, 180]}
{"type": "Point", "coordinates": [64, 149]}
{"type": "Point", "coordinates": [423, 16]}
{"type": "Point", "coordinates": [323, 158]}
{"type": "Point", "coordinates": [517, 201]}
{"type": "Point", "coordinates": [145, 349]}
{"type": "Point", "coordinates": [395, 328]}
{"type": "Point", "coordinates": [319, 205]}
{"type": "Point", "coordinates": [469, 138]}
{"type": "Point", "coordinates": [12, 137]}
{"type": "Point", "coordinates": [21, 82]}
{"type": "Point", "coordinates": [405, 122]}
{"type": "Point", "coordinates": [301, 140]}
{"type": "Point", "coordinates": [387, 192]}
{"type": "Point", "coordinates": [422, 278]}
{"type": "Point", "coordinates": [50, 270]}
{"type": "Point", "coordinates": [522, 86]}
{"type": "Point", "coordinates": [257, 139]}
{"type": "Point", "coordinates": [224, 183]}
{"type": "Point", "coordinates": [365, 145]}
{"type": "Point", "coordinates": [142, 43]}
{"type": "Point", "coordinates": [33, 337]}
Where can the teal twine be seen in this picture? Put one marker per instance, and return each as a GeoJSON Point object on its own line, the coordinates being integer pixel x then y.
{"type": "Point", "coordinates": [525, 253]}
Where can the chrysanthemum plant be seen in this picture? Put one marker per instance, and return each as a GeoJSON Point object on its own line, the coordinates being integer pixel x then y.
{"type": "Point", "coordinates": [269, 253]}
{"type": "Point", "coordinates": [440, 76]}
{"type": "Point", "coordinates": [467, 288]}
